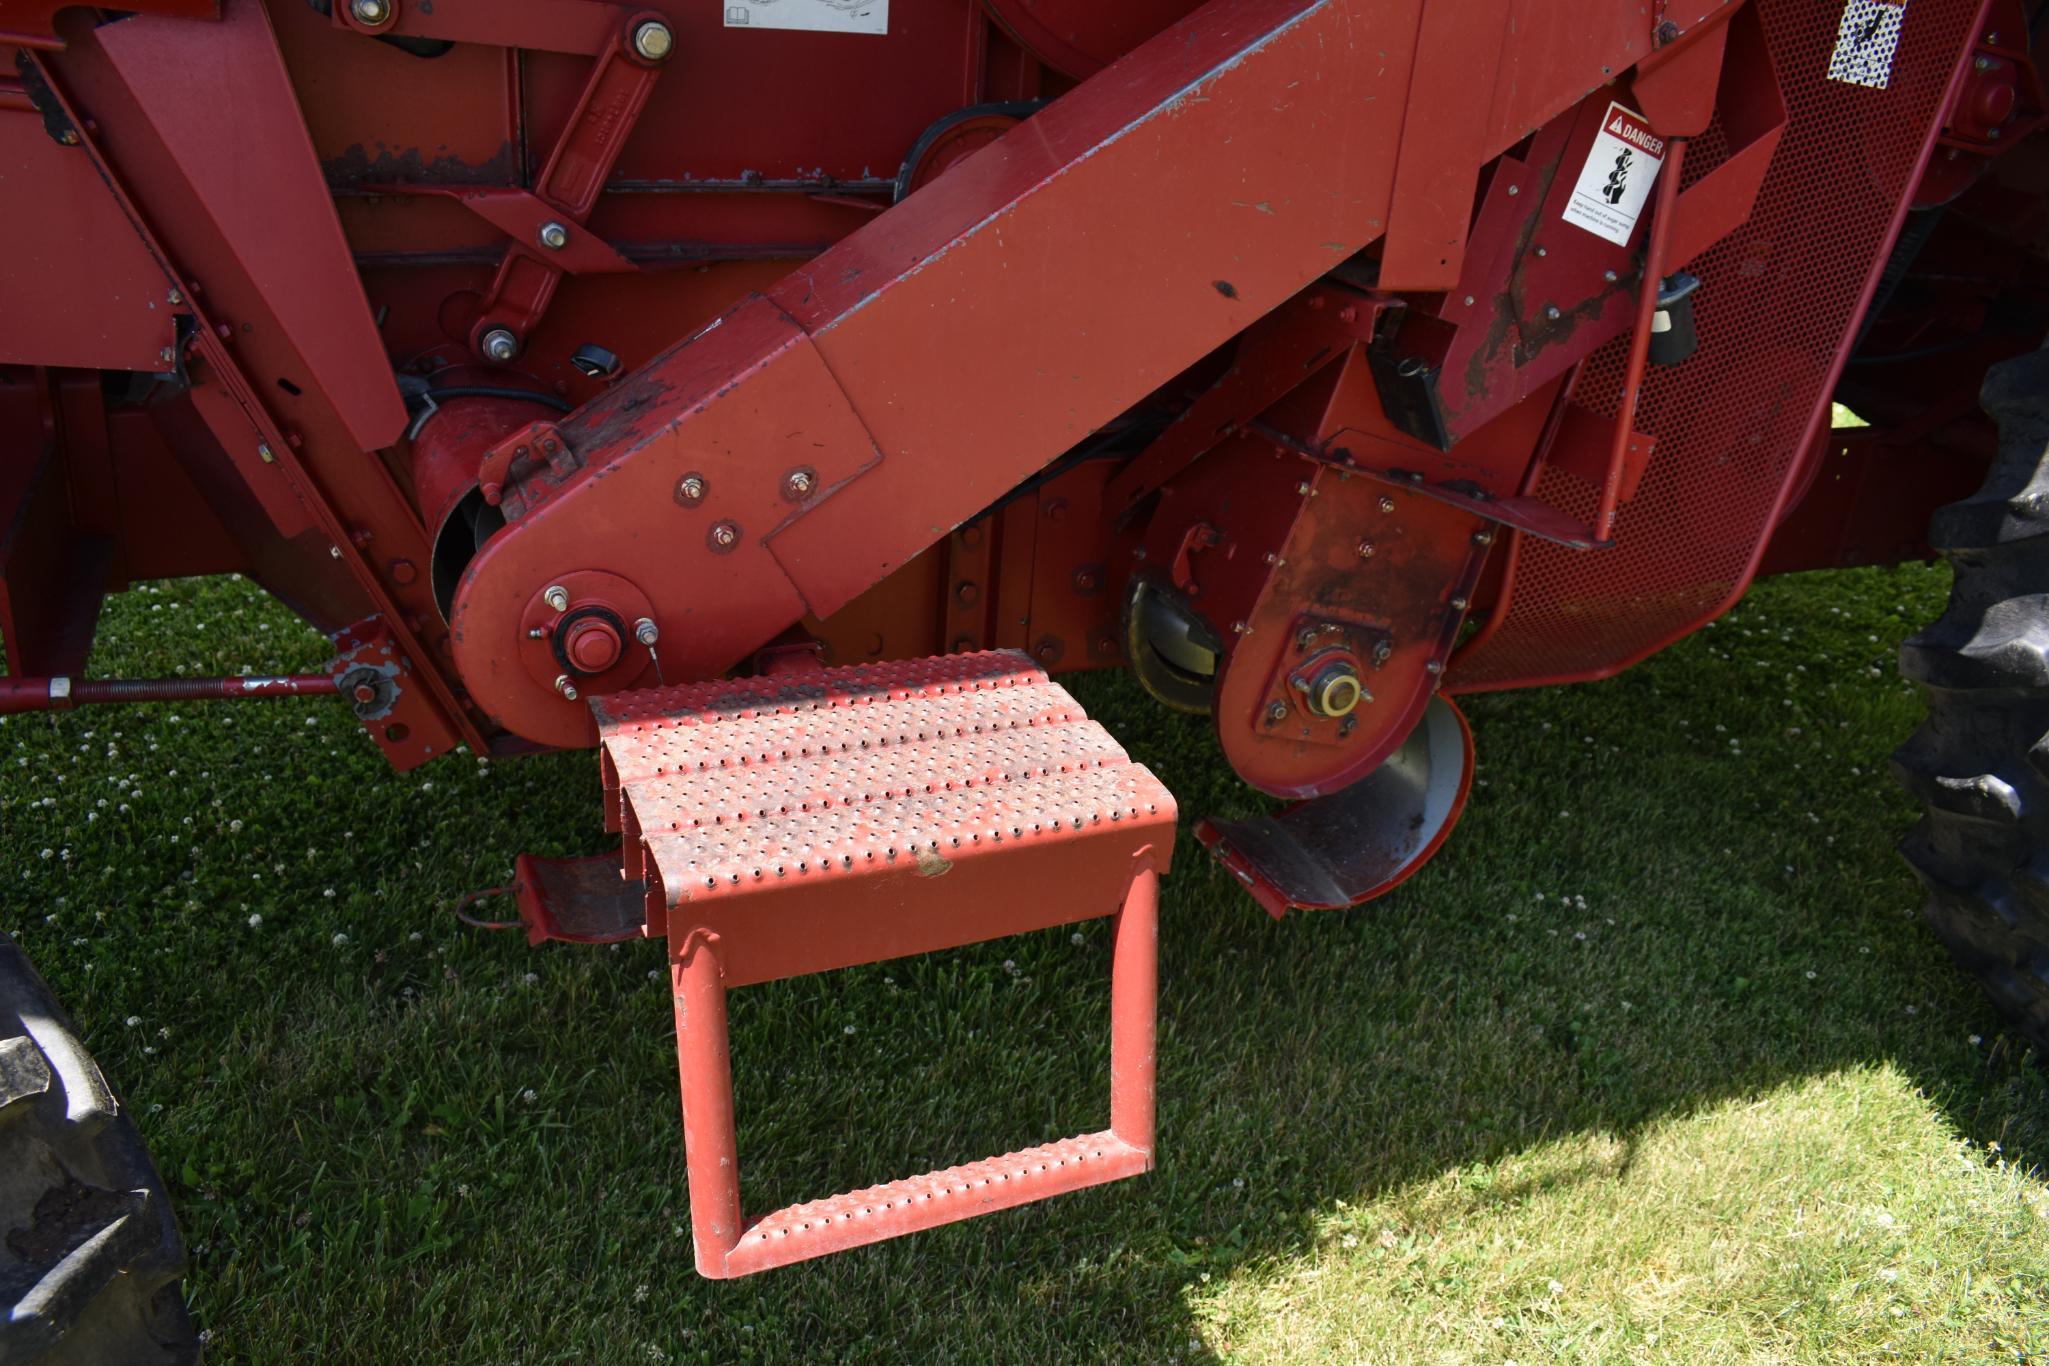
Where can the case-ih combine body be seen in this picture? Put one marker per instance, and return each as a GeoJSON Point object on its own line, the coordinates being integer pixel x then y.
{"type": "Point", "coordinates": [776, 392]}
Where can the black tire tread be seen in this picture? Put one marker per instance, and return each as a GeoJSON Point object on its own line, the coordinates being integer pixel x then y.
{"type": "Point", "coordinates": [90, 1256]}
{"type": "Point", "coordinates": [1979, 764]}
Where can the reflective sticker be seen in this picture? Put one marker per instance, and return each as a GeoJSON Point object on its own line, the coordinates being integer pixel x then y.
{"type": "Point", "coordinates": [1615, 182]}
{"type": "Point", "coordinates": [823, 16]}
{"type": "Point", "coordinates": [1865, 42]}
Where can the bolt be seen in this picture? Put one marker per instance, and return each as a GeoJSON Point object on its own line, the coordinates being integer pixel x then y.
{"type": "Point", "coordinates": [557, 597]}
{"type": "Point", "coordinates": [500, 344]}
{"type": "Point", "coordinates": [646, 632]}
{"type": "Point", "coordinates": [1458, 604]}
{"type": "Point", "coordinates": [1305, 638]}
{"type": "Point", "coordinates": [334, 552]}
{"type": "Point", "coordinates": [1239, 628]}
{"type": "Point", "coordinates": [653, 40]}
{"type": "Point", "coordinates": [724, 534]}
{"type": "Point", "coordinates": [1483, 538]}
{"type": "Point", "coordinates": [1435, 666]}
{"type": "Point", "coordinates": [1542, 252]}
{"type": "Point", "coordinates": [263, 453]}
{"type": "Point", "coordinates": [1982, 64]}
{"type": "Point", "coordinates": [690, 488]}
{"type": "Point", "coordinates": [365, 693]}
{"type": "Point", "coordinates": [167, 355]}
{"type": "Point", "coordinates": [1992, 133]}
{"type": "Point", "coordinates": [1277, 713]}
{"type": "Point", "coordinates": [797, 483]}
{"type": "Point", "coordinates": [371, 12]}
{"type": "Point", "coordinates": [1610, 276]}
{"type": "Point", "coordinates": [1515, 189]}
{"type": "Point", "coordinates": [565, 687]}
{"type": "Point", "coordinates": [554, 236]}
{"type": "Point", "coordinates": [536, 633]}
{"type": "Point", "coordinates": [1469, 301]}
{"type": "Point", "coordinates": [175, 296]}
{"type": "Point", "coordinates": [1365, 550]}
{"type": "Point", "coordinates": [1553, 313]}
{"type": "Point", "coordinates": [1303, 487]}
{"type": "Point", "coordinates": [1386, 504]}
{"type": "Point", "coordinates": [1992, 40]}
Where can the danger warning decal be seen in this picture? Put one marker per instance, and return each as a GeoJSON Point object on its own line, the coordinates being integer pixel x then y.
{"type": "Point", "coordinates": [1865, 43]}
{"type": "Point", "coordinates": [1615, 183]}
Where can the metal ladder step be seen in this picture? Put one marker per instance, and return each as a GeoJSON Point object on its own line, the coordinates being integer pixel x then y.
{"type": "Point", "coordinates": [821, 819]}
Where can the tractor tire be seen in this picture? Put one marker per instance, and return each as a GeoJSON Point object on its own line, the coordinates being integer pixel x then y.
{"type": "Point", "coordinates": [1980, 763]}
{"type": "Point", "coordinates": [90, 1257]}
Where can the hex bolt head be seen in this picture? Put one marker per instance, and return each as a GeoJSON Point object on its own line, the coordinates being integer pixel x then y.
{"type": "Point", "coordinates": [557, 597]}
{"type": "Point", "coordinates": [1277, 713]}
{"type": "Point", "coordinates": [646, 632]}
{"type": "Point", "coordinates": [690, 488]}
{"type": "Point", "coordinates": [1458, 604]}
{"type": "Point", "coordinates": [565, 687]}
{"type": "Point", "coordinates": [1435, 666]}
{"type": "Point", "coordinates": [1554, 313]}
{"type": "Point", "coordinates": [499, 344]}
{"type": "Point", "coordinates": [554, 236]}
{"type": "Point", "coordinates": [1365, 550]}
{"type": "Point", "coordinates": [1610, 276]}
{"type": "Point", "coordinates": [1483, 538]}
{"type": "Point", "coordinates": [724, 534]}
{"type": "Point", "coordinates": [653, 41]}
{"type": "Point", "coordinates": [1386, 504]}
{"type": "Point", "coordinates": [797, 483]}
{"type": "Point", "coordinates": [371, 12]}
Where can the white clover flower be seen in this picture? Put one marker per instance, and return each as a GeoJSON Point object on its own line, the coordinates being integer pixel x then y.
{"type": "Point", "coordinates": [255, 921]}
{"type": "Point", "coordinates": [340, 939]}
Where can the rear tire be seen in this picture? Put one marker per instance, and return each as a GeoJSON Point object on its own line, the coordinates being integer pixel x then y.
{"type": "Point", "coordinates": [90, 1258]}
{"type": "Point", "coordinates": [1980, 763]}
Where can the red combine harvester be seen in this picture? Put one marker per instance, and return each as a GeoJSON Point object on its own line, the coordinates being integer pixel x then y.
{"type": "Point", "coordinates": [776, 393]}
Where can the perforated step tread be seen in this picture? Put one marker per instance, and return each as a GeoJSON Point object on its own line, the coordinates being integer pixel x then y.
{"type": "Point", "coordinates": [727, 788]}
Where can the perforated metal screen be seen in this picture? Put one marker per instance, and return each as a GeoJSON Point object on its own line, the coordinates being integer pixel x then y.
{"type": "Point", "coordinates": [1779, 299]}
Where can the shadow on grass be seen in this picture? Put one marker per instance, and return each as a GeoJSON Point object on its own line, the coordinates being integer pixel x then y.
{"type": "Point", "coordinates": [1670, 889]}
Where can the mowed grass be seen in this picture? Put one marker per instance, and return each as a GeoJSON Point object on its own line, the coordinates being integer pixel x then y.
{"type": "Point", "coordinates": [1657, 1062]}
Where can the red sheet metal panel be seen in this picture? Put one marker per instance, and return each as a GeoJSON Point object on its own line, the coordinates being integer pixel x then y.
{"type": "Point", "coordinates": [1779, 304]}
{"type": "Point", "coordinates": [77, 285]}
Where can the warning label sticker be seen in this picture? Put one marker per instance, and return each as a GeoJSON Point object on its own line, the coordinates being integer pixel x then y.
{"type": "Point", "coordinates": [1615, 183]}
{"type": "Point", "coordinates": [1865, 43]}
{"type": "Point", "coordinates": [823, 16]}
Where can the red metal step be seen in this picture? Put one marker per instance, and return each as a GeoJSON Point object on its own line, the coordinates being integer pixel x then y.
{"type": "Point", "coordinates": [807, 821]}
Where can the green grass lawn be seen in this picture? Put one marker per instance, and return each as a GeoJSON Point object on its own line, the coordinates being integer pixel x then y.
{"type": "Point", "coordinates": [1656, 1062]}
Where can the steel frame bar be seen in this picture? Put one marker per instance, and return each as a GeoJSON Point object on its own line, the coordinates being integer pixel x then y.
{"type": "Point", "coordinates": [63, 694]}
{"type": "Point", "coordinates": [1640, 339]}
{"type": "Point", "coordinates": [728, 1244]}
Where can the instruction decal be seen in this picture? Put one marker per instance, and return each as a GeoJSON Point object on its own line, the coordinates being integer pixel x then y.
{"type": "Point", "coordinates": [1865, 42]}
{"type": "Point", "coordinates": [821, 16]}
{"type": "Point", "coordinates": [1615, 182]}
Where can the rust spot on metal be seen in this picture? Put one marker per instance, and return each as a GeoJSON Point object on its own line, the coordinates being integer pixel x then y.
{"type": "Point", "coordinates": [358, 167]}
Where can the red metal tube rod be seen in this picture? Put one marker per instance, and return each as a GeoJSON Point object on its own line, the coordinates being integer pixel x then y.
{"type": "Point", "coordinates": [1640, 340]}
{"type": "Point", "coordinates": [63, 694]}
